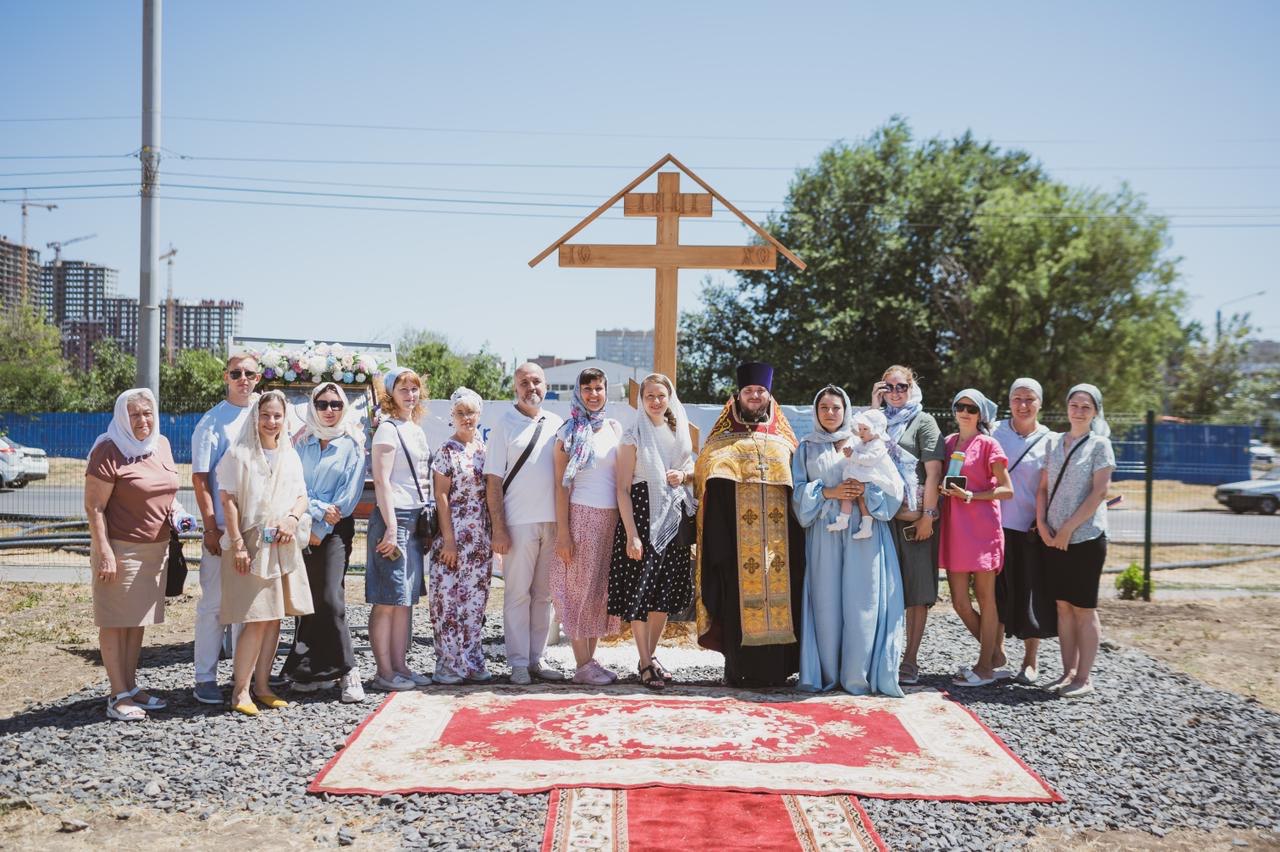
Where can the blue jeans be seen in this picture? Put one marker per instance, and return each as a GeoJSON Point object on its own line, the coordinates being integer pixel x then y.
{"type": "Point", "coordinates": [394, 582]}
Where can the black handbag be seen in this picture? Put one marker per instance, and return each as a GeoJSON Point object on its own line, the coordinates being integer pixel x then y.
{"type": "Point", "coordinates": [687, 533]}
{"type": "Point", "coordinates": [176, 571]}
{"type": "Point", "coordinates": [427, 525]}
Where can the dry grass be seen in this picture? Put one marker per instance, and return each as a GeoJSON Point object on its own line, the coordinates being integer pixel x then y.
{"type": "Point", "coordinates": [1228, 642]}
{"type": "Point", "coordinates": [66, 471]}
{"type": "Point", "coordinates": [1166, 494]}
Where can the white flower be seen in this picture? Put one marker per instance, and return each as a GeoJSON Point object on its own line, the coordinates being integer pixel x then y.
{"type": "Point", "coordinates": [316, 364]}
{"type": "Point", "coordinates": [320, 349]}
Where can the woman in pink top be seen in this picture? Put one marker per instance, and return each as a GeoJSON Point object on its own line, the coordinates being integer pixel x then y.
{"type": "Point", "coordinates": [972, 542]}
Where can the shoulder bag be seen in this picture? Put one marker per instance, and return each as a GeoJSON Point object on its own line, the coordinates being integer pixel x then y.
{"type": "Point", "coordinates": [427, 526]}
{"type": "Point", "coordinates": [533, 442]}
{"type": "Point", "coordinates": [1035, 535]}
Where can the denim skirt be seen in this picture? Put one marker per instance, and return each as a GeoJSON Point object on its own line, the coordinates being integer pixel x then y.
{"type": "Point", "coordinates": [394, 582]}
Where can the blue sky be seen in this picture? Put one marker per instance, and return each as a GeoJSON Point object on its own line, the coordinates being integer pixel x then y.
{"type": "Point", "coordinates": [1177, 98]}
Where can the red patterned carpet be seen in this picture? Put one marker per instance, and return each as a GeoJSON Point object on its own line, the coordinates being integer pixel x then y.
{"type": "Point", "coordinates": [922, 746]}
{"type": "Point", "coordinates": [665, 819]}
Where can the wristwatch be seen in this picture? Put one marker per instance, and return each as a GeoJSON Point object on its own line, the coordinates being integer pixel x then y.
{"type": "Point", "coordinates": [968, 497]}
{"type": "Point", "coordinates": [933, 513]}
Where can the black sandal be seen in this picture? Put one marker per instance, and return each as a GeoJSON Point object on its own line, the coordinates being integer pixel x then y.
{"type": "Point", "coordinates": [654, 681]}
{"type": "Point", "coordinates": [660, 670]}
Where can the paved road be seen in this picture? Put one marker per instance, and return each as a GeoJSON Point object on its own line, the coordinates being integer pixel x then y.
{"type": "Point", "coordinates": [1204, 527]}
{"type": "Point", "coordinates": [59, 501]}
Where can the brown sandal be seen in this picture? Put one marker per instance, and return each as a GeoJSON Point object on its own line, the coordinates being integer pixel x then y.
{"type": "Point", "coordinates": [654, 681]}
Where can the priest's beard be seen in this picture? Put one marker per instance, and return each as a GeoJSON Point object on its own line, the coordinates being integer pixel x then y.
{"type": "Point", "coordinates": [759, 415]}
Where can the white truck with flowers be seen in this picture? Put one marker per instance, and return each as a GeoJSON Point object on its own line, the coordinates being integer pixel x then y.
{"type": "Point", "coordinates": [298, 366]}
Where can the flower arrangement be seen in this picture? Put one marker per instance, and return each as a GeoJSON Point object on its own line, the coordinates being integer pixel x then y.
{"type": "Point", "coordinates": [319, 362]}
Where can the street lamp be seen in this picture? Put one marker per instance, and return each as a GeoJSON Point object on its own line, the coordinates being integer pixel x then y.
{"type": "Point", "coordinates": [1218, 311]}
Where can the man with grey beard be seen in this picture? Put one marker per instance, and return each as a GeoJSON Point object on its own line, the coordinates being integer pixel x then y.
{"type": "Point", "coordinates": [520, 491]}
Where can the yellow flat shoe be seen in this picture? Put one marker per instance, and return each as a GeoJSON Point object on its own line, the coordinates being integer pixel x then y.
{"type": "Point", "coordinates": [271, 701]}
{"type": "Point", "coordinates": [249, 709]}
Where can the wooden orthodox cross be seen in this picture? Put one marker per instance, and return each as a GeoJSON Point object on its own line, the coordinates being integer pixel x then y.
{"type": "Point", "coordinates": [667, 256]}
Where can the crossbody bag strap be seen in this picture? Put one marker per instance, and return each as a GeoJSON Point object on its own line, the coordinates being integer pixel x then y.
{"type": "Point", "coordinates": [409, 458]}
{"type": "Point", "coordinates": [1065, 462]}
{"type": "Point", "coordinates": [511, 474]}
{"type": "Point", "coordinates": [1039, 436]}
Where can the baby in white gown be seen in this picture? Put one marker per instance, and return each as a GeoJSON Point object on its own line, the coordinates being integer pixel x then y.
{"type": "Point", "coordinates": [867, 460]}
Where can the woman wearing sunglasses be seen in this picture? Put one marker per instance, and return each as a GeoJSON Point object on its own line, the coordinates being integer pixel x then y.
{"type": "Point", "coordinates": [972, 544]}
{"type": "Point", "coordinates": [331, 447]}
{"type": "Point", "coordinates": [916, 432]}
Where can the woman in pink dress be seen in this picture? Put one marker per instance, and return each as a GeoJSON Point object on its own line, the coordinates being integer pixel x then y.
{"type": "Point", "coordinates": [972, 541]}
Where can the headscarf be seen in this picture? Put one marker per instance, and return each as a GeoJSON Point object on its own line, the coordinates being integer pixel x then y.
{"type": "Point", "coordinates": [987, 409]}
{"type": "Point", "coordinates": [265, 492]}
{"type": "Point", "coordinates": [1030, 384]}
{"type": "Point", "coordinates": [578, 431]}
{"type": "Point", "coordinates": [346, 425]}
{"type": "Point", "coordinates": [819, 433]}
{"type": "Point", "coordinates": [389, 378]}
{"type": "Point", "coordinates": [665, 501]}
{"type": "Point", "coordinates": [120, 432]}
{"type": "Point", "coordinates": [900, 418]}
{"type": "Point", "coordinates": [1099, 426]}
{"type": "Point", "coordinates": [467, 395]}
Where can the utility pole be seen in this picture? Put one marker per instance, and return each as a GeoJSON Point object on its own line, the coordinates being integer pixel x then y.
{"type": "Point", "coordinates": [148, 309]}
{"type": "Point", "coordinates": [169, 330]}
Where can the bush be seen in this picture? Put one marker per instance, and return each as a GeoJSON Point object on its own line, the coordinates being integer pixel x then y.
{"type": "Point", "coordinates": [1129, 583]}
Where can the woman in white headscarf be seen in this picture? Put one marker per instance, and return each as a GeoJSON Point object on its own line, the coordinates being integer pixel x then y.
{"type": "Point", "coordinates": [462, 555]}
{"type": "Point", "coordinates": [1071, 516]}
{"type": "Point", "coordinates": [649, 576]}
{"type": "Point", "coordinates": [331, 448]}
{"type": "Point", "coordinates": [851, 628]}
{"type": "Point", "coordinates": [972, 540]}
{"type": "Point", "coordinates": [264, 501]}
{"type": "Point", "coordinates": [130, 491]}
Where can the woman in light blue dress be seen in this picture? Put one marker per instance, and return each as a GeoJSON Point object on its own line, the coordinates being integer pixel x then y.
{"type": "Point", "coordinates": [852, 626]}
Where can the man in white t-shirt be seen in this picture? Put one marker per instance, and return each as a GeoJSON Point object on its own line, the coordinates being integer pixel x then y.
{"type": "Point", "coordinates": [212, 436]}
{"type": "Point", "coordinates": [522, 506]}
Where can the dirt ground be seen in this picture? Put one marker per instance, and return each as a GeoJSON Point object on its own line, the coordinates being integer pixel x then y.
{"type": "Point", "coordinates": [1182, 840]}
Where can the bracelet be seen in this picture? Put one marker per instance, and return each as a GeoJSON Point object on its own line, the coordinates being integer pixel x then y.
{"type": "Point", "coordinates": [295, 517]}
{"type": "Point", "coordinates": [968, 497]}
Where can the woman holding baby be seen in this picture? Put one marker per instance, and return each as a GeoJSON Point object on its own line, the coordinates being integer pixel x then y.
{"type": "Point", "coordinates": [851, 630]}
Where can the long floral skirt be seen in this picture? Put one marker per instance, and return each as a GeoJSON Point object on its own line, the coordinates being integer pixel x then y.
{"type": "Point", "coordinates": [580, 588]}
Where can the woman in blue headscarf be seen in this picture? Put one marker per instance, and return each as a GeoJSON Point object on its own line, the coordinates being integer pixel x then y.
{"type": "Point", "coordinates": [586, 457]}
{"type": "Point", "coordinates": [852, 614]}
{"type": "Point", "coordinates": [972, 544]}
{"type": "Point", "coordinates": [1071, 516]}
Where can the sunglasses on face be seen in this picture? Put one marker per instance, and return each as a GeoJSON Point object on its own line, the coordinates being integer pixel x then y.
{"type": "Point", "coordinates": [898, 388]}
{"type": "Point", "coordinates": [326, 404]}
{"type": "Point", "coordinates": [966, 408]}
{"type": "Point", "coordinates": [236, 374]}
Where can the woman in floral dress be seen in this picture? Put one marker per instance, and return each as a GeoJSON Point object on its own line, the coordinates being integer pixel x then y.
{"type": "Point", "coordinates": [462, 554]}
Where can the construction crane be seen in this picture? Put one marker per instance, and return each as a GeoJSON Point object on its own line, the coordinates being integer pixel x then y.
{"type": "Point", "coordinates": [25, 206]}
{"type": "Point", "coordinates": [170, 331]}
{"type": "Point", "coordinates": [57, 246]}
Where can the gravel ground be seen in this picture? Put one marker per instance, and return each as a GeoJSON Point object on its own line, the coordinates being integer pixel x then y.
{"type": "Point", "coordinates": [1152, 750]}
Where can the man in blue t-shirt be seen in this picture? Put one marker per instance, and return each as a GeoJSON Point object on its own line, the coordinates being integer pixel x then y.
{"type": "Point", "coordinates": [212, 436]}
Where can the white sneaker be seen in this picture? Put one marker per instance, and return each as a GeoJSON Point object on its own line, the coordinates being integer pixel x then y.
{"type": "Point", "coordinates": [352, 688]}
{"type": "Point", "coordinates": [397, 683]}
{"type": "Point", "coordinates": [840, 523]}
{"type": "Point", "coordinates": [520, 676]}
{"type": "Point", "coordinates": [418, 679]}
{"type": "Point", "coordinates": [445, 677]}
{"type": "Point", "coordinates": [542, 671]}
{"type": "Point", "coordinates": [864, 528]}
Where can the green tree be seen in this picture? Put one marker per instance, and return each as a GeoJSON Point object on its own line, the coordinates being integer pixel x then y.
{"type": "Point", "coordinates": [429, 353]}
{"type": "Point", "coordinates": [33, 374]}
{"type": "Point", "coordinates": [193, 382]}
{"type": "Point", "coordinates": [957, 258]}
{"type": "Point", "coordinates": [114, 371]}
{"type": "Point", "coordinates": [1207, 379]}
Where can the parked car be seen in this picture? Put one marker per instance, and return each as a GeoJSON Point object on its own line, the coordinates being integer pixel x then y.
{"type": "Point", "coordinates": [11, 465]}
{"type": "Point", "coordinates": [1262, 494]}
{"type": "Point", "coordinates": [35, 462]}
{"type": "Point", "coordinates": [1260, 452]}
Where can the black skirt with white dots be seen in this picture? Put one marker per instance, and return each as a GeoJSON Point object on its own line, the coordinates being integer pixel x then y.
{"type": "Point", "coordinates": [652, 584]}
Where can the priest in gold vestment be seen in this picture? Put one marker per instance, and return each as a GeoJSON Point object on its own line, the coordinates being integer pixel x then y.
{"type": "Point", "coordinates": [750, 568]}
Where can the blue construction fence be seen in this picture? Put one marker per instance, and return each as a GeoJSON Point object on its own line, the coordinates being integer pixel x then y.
{"type": "Point", "coordinates": [70, 435]}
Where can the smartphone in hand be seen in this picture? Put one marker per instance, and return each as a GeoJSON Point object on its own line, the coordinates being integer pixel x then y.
{"type": "Point", "coordinates": [909, 532]}
{"type": "Point", "coordinates": [961, 482]}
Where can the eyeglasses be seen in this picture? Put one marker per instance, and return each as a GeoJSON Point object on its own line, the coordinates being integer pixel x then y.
{"type": "Point", "coordinates": [236, 374]}
{"type": "Point", "coordinates": [966, 408]}
{"type": "Point", "coordinates": [898, 388]}
{"type": "Point", "coordinates": [326, 404]}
